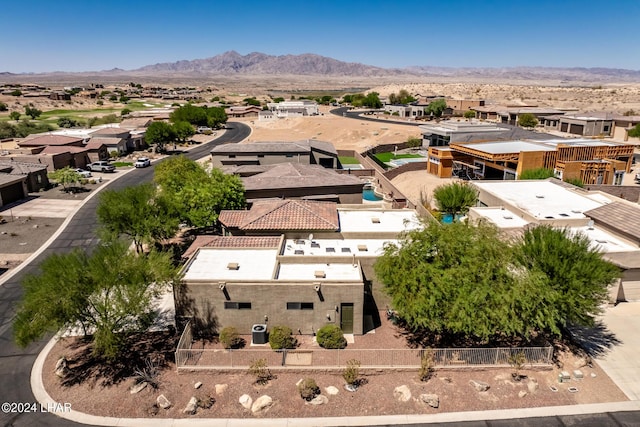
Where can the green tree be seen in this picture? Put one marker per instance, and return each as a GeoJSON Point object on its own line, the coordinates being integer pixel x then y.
{"type": "Point", "coordinates": [137, 212]}
{"type": "Point", "coordinates": [183, 130]}
{"type": "Point", "coordinates": [3, 106]}
{"type": "Point", "coordinates": [65, 176]}
{"type": "Point", "coordinates": [216, 117]}
{"type": "Point", "coordinates": [469, 114]}
{"type": "Point", "coordinates": [125, 111]}
{"type": "Point", "coordinates": [574, 275]}
{"type": "Point", "coordinates": [372, 100]}
{"type": "Point", "coordinates": [26, 127]}
{"type": "Point", "coordinates": [160, 134]}
{"type": "Point", "coordinates": [278, 99]}
{"type": "Point", "coordinates": [16, 92]}
{"type": "Point", "coordinates": [527, 120]}
{"type": "Point", "coordinates": [67, 122]}
{"type": "Point", "coordinates": [14, 115]}
{"type": "Point", "coordinates": [414, 142]}
{"type": "Point", "coordinates": [79, 289]}
{"type": "Point", "coordinates": [538, 173]}
{"type": "Point", "coordinates": [189, 113]}
{"type": "Point", "coordinates": [251, 101]}
{"type": "Point", "coordinates": [436, 107]}
{"type": "Point", "coordinates": [635, 131]}
{"type": "Point", "coordinates": [455, 198]}
{"type": "Point", "coordinates": [32, 112]}
{"type": "Point", "coordinates": [196, 195]}
{"type": "Point", "coordinates": [402, 97]}
{"type": "Point", "coordinates": [448, 279]}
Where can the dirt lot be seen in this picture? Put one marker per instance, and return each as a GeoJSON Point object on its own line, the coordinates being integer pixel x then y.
{"type": "Point", "coordinates": [88, 392]}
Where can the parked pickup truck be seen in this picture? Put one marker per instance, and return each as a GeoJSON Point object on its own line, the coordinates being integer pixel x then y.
{"type": "Point", "coordinates": [101, 166]}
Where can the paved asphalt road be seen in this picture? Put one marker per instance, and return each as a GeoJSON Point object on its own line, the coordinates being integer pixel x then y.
{"type": "Point", "coordinates": [15, 363]}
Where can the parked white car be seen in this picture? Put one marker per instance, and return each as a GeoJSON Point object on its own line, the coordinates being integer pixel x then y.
{"type": "Point", "coordinates": [83, 173]}
{"type": "Point", "coordinates": [142, 162]}
{"type": "Point", "coordinates": [101, 166]}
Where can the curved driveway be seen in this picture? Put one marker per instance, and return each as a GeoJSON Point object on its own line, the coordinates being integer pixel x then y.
{"type": "Point", "coordinates": [16, 363]}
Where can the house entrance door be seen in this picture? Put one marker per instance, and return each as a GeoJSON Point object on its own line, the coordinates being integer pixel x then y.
{"type": "Point", "coordinates": [346, 318]}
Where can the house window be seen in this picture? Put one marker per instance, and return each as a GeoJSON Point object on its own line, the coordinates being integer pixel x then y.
{"type": "Point", "coordinates": [299, 306]}
{"type": "Point", "coordinates": [605, 128]}
{"type": "Point", "coordinates": [232, 156]}
{"type": "Point", "coordinates": [289, 155]}
{"type": "Point", "coordinates": [228, 305]}
{"type": "Point", "coordinates": [260, 155]}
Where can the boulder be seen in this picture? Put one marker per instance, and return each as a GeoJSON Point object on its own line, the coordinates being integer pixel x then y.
{"type": "Point", "coordinates": [197, 385]}
{"type": "Point", "coordinates": [61, 368]}
{"type": "Point", "coordinates": [163, 402]}
{"type": "Point", "coordinates": [246, 401]}
{"type": "Point", "coordinates": [261, 403]}
{"type": "Point", "coordinates": [318, 400]}
{"type": "Point", "coordinates": [522, 394]}
{"type": "Point", "coordinates": [580, 362]}
{"type": "Point", "coordinates": [192, 406]}
{"type": "Point", "coordinates": [221, 388]}
{"type": "Point", "coordinates": [430, 399]}
{"type": "Point", "coordinates": [532, 385]}
{"type": "Point", "coordinates": [137, 388]}
{"type": "Point", "coordinates": [402, 393]}
{"type": "Point", "coordinates": [479, 385]}
{"type": "Point", "coordinates": [331, 390]}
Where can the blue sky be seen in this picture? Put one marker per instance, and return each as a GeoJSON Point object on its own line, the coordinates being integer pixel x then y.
{"type": "Point", "coordinates": [90, 35]}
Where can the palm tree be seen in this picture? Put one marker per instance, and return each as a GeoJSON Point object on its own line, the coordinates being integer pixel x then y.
{"type": "Point", "coordinates": [455, 198]}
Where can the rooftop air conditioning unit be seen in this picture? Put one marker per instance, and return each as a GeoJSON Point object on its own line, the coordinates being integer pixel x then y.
{"type": "Point", "coordinates": [233, 266]}
{"type": "Point", "coordinates": [375, 220]}
{"type": "Point", "coordinates": [319, 274]}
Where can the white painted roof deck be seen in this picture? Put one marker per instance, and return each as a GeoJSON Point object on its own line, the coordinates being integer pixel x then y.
{"type": "Point", "coordinates": [581, 142]}
{"type": "Point", "coordinates": [211, 264]}
{"type": "Point", "coordinates": [502, 218]}
{"type": "Point", "coordinates": [331, 271]}
{"type": "Point", "coordinates": [541, 199]}
{"type": "Point", "coordinates": [604, 241]}
{"type": "Point", "coordinates": [335, 247]}
{"type": "Point", "coordinates": [506, 147]}
{"type": "Point", "coordinates": [384, 221]}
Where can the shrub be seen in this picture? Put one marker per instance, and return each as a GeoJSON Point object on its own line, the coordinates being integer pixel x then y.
{"type": "Point", "coordinates": [230, 338]}
{"type": "Point", "coordinates": [426, 365]}
{"type": "Point", "coordinates": [330, 336]}
{"type": "Point", "coordinates": [281, 337]}
{"type": "Point", "coordinates": [308, 389]}
{"type": "Point", "coordinates": [352, 372]}
{"type": "Point", "coordinates": [148, 374]}
{"type": "Point", "coordinates": [260, 370]}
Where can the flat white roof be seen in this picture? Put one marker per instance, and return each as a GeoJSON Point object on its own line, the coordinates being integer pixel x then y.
{"type": "Point", "coordinates": [541, 199]}
{"type": "Point", "coordinates": [336, 247]}
{"type": "Point", "coordinates": [581, 142]}
{"type": "Point", "coordinates": [331, 272]}
{"type": "Point", "coordinates": [384, 221]}
{"type": "Point", "coordinates": [504, 147]}
{"type": "Point", "coordinates": [502, 218]}
{"type": "Point", "coordinates": [605, 241]}
{"type": "Point", "coordinates": [461, 127]}
{"type": "Point", "coordinates": [212, 263]}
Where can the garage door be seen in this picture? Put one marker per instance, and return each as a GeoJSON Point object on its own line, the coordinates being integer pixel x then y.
{"type": "Point", "coordinates": [576, 129]}
{"type": "Point", "coordinates": [12, 193]}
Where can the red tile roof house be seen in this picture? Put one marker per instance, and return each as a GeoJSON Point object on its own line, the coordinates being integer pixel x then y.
{"type": "Point", "coordinates": [35, 173]}
{"type": "Point", "coordinates": [55, 151]}
{"type": "Point", "coordinates": [12, 188]}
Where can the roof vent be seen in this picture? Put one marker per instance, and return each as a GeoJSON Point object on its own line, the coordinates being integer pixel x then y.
{"type": "Point", "coordinates": [601, 241]}
{"type": "Point", "coordinates": [539, 196]}
{"type": "Point", "coordinates": [507, 216]}
{"type": "Point", "coordinates": [233, 266]}
{"type": "Point", "coordinates": [319, 274]}
{"type": "Point", "coordinates": [576, 211]}
{"type": "Point", "coordinates": [375, 220]}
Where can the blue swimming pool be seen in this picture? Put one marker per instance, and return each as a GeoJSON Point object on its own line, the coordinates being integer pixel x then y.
{"type": "Point", "coordinates": [370, 195]}
{"type": "Point", "coordinates": [448, 218]}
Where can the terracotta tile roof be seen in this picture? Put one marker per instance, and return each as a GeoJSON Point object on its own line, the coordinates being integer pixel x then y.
{"type": "Point", "coordinates": [57, 149]}
{"type": "Point", "coordinates": [242, 242]}
{"type": "Point", "coordinates": [39, 141]}
{"type": "Point", "coordinates": [7, 179]}
{"type": "Point", "coordinates": [297, 175]}
{"type": "Point", "coordinates": [284, 215]}
{"type": "Point", "coordinates": [95, 143]}
{"type": "Point", "coordinates": [618, 216]}
{"type": "Point", "coordinates": [22, 168]}
{"type": "Point", "coordinates": [109, 131]}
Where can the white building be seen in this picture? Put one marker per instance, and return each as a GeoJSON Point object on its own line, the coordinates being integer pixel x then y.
{"type": "Point", "coordinates": [299, 108]}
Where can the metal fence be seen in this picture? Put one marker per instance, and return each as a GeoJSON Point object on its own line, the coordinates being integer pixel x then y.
{"type": "Point", "coordinates": [188, 358]}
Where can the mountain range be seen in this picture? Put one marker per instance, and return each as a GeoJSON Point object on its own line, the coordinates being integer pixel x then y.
{"type": "Point", "coordinates": [259, 64]}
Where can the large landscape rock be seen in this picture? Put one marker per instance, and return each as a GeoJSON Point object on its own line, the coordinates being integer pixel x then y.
{"type": "Point", "coordinates": [163, 402]}
{"type": "Point", "coordinates": [246, 401]}
{"type": "Point", "coordinates": [61, 368]}
{"type": "Point", "coordinates": [137, 388]}
{"type": "Point", "coordinates": [221, 388]}
{"type": "Point", "coordinates": [331, 390]}
{"type": "Point", "coordinates": [192, 406]}
{"type": "Point", "coordinates": [261, 403]}
{"type": "Point", "coordinates": [430, 399]}
{"type": "Point", "coordinates": [479, 385]}
{"type": "Point", "coordinates": [402, 393]}
{"type": "Point", "coordinates": [318, 400]}
{"type": "Point", "coordinates": [532, 385]}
